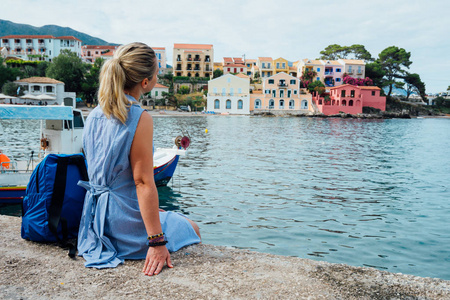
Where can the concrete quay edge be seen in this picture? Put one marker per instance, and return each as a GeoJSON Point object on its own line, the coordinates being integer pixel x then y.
{"type": "Point", "coordinates": [31, 270]}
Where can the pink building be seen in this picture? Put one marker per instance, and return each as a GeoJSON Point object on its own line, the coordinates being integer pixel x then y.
{"type": "Point", "coordinates": [350, 99]}
{"type": "Point", "coordinates": [91, 52]}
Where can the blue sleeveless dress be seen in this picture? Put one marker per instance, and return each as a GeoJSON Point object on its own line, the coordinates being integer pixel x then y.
{"type": "Point", "coordinates": [111, 228]}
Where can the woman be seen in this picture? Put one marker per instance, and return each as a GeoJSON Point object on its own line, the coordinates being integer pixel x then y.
{"type": "Point", "coordinates": [121, 218]}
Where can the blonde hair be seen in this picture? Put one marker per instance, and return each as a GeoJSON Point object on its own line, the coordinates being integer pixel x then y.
{"type": "Point", "coordinates": [131, 64]}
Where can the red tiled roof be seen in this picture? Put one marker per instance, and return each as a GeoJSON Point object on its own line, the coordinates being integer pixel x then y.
{"type": "Point", "coordinates": [238, 60]}
{"type": "Point", "coordinates": [27, 37]}
{"type": "Point", "coordinates": [228, 59]}
{"type": "Point", "coordinates": [235, 66]}
{"type": "Point", "coordinates": [99, 47]}
{"type": "Point", "coordinates": [68, 38]}
{"type": "Point", "coordinates": [157, 85]}
{"type": "Point", "coordinates": [193, 46]}
{"type": "Point", "coordinates": [40, 80]}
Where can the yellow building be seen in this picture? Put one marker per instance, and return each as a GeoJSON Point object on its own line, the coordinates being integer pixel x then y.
{"type": "Point", "coordinates": [193, 60]}
{"type": "Point", "coordinates": [280, 65]}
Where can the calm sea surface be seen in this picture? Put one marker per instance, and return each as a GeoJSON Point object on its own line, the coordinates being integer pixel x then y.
{"type": "Point", "coordinates": [361, 192]}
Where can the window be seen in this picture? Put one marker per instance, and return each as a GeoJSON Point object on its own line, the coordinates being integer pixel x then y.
{"type": "Point", "coordinates": [289, 93]}
{"type": "Point", "coordinates": [228, 104]}
{"type": "Point", "coordinates": [350, 103]}
{"type": "Point", "coordinates": [232, 91]}
{"type": "Point", "coordinates": [264, 65]}
{"type": "Point", "coordinates": [267, 92]}
{"type": "Point", "coordinates": [271, 81]}
{"type": "Point", "coordinates": [257, 103]}
{"type": "Point", "coordinates": [338, 70]}
{"type": "Point", "coordinates": [268, 66]}
{"type": "Point", "coordinates": [216, 104]}
{"type": "Point", "coordinates": [156, 94]}
{"type": "Point", "coordinates": [274, 93]}
{"type": "Point", "coordinates": [284, 65]}
{"type": "Point", "coordinates": [49, 89]}
{"type": "Point", "coordinates": [77, 119]}
{"type": "Point", "coordinates": [352, 93]}
{"type": "Point", "coordinates": [281, 93]}
{"type": "Point", "coordinates": [278, 65]}
{"type": "Point", "coordinates": [292, 81]}
{"type": "Point", "coordinates": [271, 103]}
{"type": "Point", "coordinates": [338, 80]}
{"type": "Point", "coordinates": [373, 93]}
{"type": "Point", "coordinates": [344, 103]}
{"type": "Point", "coordinates": [291, 104]}
{"type": "Point", "coordinates": [281, 103]}
{"type": "Point", "coordinates": [240, 104]}
{"type": "Point", "coordinates": [343, 93]}
{"type": "Point", "coordinates": [318, 78]}
{"type": "Point", "coordinates": [295, 92]}
{"type": "Point", "coordinates": [223, 91]}
{"type": "Point", "coordinates": [36, 88]}
{"type": "Point", "coordinates": [215, 90]}
{"type": "Point", "coordinates": [239, 90]}
{"type": "Point", "coordinates": [318, 69]}
{"type": "Point", "coordinates": [304, 104]}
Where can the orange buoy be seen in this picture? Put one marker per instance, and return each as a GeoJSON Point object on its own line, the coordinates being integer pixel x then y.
{"type": "Point", "coordinates": [4, 161]}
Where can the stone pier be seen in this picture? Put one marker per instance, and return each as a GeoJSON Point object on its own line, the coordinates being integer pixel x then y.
{"type": "Point", "coordinates": [31, 270]}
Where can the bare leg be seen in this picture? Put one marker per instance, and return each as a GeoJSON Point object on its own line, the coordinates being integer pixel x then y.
{"type": "Point", "coordinates": [196, 228]}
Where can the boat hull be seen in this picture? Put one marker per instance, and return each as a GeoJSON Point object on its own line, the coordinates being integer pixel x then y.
{"type": "Point", "coordinates": [162, 175]}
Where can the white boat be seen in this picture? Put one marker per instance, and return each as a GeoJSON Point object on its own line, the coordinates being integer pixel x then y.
{"type": "Point", "coordinates": [61, 132]}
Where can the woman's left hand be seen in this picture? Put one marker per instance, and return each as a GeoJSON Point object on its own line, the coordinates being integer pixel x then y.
{"type": "Point", "coordinates": [154, 262]}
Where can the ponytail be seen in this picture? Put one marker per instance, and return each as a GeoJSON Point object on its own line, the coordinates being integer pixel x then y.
{"type": "Point", "coordinates": [131, 64]}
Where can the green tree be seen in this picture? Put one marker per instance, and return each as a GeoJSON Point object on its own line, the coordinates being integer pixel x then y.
{"type": "Point", "coordinates": [68, 68]}
{"type": "Point", "coordinates": [414, 85]}
{"type": "Point", "coordinates": [183, 90]}
{"type": "Point", "coordinates": [11, 89]}
{"type": "Point", "coordinates": [316, 86]}
{"type": "Point", "coordinates": [392, 61]}
{"type": "Point", "coordinates": [356, 51]}
{"type": "Point", "coordinates": [8, 73]}
{"type": "Point", "coordinates": [375, 72]}
{"type": "Point", "coordinates": [217, 73]}
{"type": "Point", "coordinates": [91, 83]}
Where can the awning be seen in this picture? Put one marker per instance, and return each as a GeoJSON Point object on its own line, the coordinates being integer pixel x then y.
{"type": "Point", "coordinates": [30, 112]}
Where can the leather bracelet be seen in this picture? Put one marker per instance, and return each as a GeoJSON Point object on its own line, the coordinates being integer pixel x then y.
{"type": "Point", "coordinates": [156, 244]}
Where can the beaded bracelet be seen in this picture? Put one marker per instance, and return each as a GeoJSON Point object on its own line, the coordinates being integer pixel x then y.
{"type": "Point", "coordinates": [155, 236]}
{"type": "Point", "coordinates": [150, 244]}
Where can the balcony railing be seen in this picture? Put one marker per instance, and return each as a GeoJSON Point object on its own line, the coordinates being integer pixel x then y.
{"type": "Point", "coordinates": [359, 73]}
{"type": "Point", "coordinates": [329, 73]}
{"type": "Point", "coordinates": [350, 72]}
{"type": "Point", "coordinates": [281, 107]}
{"type": "Point", "coordinates": [282, 84]}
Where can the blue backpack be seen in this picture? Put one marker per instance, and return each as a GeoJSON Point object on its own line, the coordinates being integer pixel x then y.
{"type": "Point", "coordinates": [53, 203]}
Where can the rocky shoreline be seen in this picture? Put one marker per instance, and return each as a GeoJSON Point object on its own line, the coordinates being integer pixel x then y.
{"type": "Point", "coordinates": [31, 270]}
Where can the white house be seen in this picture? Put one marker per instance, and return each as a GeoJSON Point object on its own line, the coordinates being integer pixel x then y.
{"type": "Point", "coordinates": [41, 90]}
{"type": "Point", "coordinates": [39, 47]}
{"type": "Point", "coordinates": [229, 94]}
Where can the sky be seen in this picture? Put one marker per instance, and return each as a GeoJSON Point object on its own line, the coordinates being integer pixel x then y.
{"type": "Point", "coordinates": [294, 30]}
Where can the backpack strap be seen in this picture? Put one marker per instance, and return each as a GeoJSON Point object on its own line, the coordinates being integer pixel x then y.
{"type": "Point", "coordinates": [59, 189]}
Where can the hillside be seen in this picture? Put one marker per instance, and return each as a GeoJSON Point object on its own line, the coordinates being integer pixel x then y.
{"type": "Point", "coordinates": [10, 28]}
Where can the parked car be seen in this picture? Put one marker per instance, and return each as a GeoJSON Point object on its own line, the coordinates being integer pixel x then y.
{"type": "Point", "coordinates": [184, 108]}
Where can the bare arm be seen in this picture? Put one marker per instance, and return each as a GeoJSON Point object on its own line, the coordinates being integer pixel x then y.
{"type": "Point", "coordinates": [141, 158]}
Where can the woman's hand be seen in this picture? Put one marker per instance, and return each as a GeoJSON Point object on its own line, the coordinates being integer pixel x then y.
{"type": "Point", "coordinates": [154, 262]}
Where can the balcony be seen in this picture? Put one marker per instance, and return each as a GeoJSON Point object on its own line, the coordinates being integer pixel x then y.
{"type": "Point", "coordinates": [350, 72]}
{"type": "Point", "coordinates": [283, 84]}
{"type": "Point", "coordinates": [359, 73]}
{"type": "Point", "coordinates": [291, 107]}
{"type": "Point", "coordinates": [281, 107]}
{"type": "Point", "coordinates": [329, 73]}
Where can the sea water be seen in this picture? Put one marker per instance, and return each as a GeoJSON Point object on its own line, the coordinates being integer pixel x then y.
{"type": "Point", "coordinates": [361, 192]}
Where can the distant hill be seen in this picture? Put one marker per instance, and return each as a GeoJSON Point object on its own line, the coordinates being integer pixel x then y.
{"type": "Point", "coordinates": [10, 28]}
